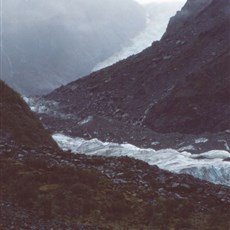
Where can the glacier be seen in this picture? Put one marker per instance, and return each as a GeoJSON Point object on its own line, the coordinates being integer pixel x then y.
{"type": "Point", "coordinates": [158, 14]}
{"type": "Point", "coordinates": [209, 166]}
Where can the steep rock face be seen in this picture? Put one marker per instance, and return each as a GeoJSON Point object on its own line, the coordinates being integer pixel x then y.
{"type": "Point", "coordinates": [47, 44]}
{"type": "Point", "coordinates": [201, 103]}
{"type": "Point", "coordinates": [195, 39]}
{"type": "Point", "coordinates": [18, 123]}
{"type": "Point", "coordinates": [190, 11]}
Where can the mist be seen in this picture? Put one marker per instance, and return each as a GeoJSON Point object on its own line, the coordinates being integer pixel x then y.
{"type": "Point", "coordinates": [158, 14]}
{"type": "Point", "coordinates": [50, 43]}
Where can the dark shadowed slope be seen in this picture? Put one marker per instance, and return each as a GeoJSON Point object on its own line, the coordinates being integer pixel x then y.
{"type": "Point", "coordinates": [195, 45]}
{"type": "Point", "coordinates": [18, 123]}
{"type": "Point", "coordinates": [45, 188]}
{"type": "Point", "coordinates": [201, 103]}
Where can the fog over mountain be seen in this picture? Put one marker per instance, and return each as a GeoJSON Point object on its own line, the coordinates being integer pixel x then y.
{"type": "Point", "coordinates": [49, 43]}
{"type": "Point", "coordinates": [158, 14]}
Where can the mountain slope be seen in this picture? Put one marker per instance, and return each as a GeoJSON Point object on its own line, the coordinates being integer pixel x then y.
{"type": "Point", "coordinates": [44, 188]}
{"type": "Point", "coordinates": [201, 103]}
{"type": "Point", "coordinates": [67, 191]}
{"type": "Point", "coordinates": [195, 40]}
{"type": "Point", "coordinates": [18, 123]}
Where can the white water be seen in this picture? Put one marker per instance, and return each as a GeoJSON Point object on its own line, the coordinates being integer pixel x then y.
{"type": "Point", "coordinates": [210, 166]}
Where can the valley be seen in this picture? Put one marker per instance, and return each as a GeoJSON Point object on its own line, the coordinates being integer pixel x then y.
{"type": "Point", "coordinates": [141, 144]}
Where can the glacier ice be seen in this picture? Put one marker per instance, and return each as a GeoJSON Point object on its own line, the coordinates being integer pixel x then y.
{"type": "Point", "coordinates": [157, 19]}
{"type": "Point", "coordinates": [201, 140]}
{"type": "Point", "coordinates": [206, 166]}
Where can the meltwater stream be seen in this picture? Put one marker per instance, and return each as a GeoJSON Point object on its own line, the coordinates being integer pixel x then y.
{"type": "Point", "coordinates": [212, 166]}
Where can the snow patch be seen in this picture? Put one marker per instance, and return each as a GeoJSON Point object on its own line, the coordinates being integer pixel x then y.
{"type": "Point", "coordinates": [40, 106]}
{"type": "Point", "coordinates": [225, 144]}
{"type": "Point", "coordinates": [207, 166]}
{"type": "Point", "coordinates": [213, 154]}
{"type": "Point", "coordinates": [201, 140]}
{"type": "Point", "coordinates": [155, 143]}
{"type": "Point", "coordinates": [186, 148]}
{"type": "Point", "coordinates": [86, 120]}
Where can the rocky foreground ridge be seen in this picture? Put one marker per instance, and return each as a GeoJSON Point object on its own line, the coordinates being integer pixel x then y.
{"type": "Point", "coordinates": [42, 187]}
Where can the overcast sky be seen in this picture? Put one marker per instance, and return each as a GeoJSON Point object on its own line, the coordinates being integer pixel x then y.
{"type": "Point", "coordinates": [149, 1]}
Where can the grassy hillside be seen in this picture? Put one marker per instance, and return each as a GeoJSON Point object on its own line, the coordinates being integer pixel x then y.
{"type": "Point", "coordinates": [18, 122]}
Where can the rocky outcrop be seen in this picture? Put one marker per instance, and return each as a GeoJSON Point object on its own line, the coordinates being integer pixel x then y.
{"type": "Point", "coordinates": [192, 51]}
{"type": "Point", "coordinates": [43, 190]}
{"type": "Point", "coordinates": [201, 103]}
{"type": "Point", "coordinates": [108, 129]}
